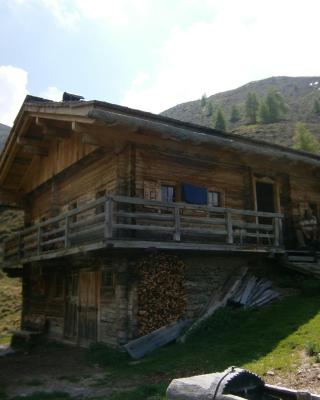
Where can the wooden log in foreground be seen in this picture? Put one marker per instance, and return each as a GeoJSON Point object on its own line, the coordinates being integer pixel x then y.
{"type": "Point", "coordinates": [200, 387]}
{"type": "Point", "coordinates": [219, 386]}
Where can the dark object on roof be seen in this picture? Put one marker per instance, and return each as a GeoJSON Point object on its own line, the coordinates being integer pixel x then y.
{"type": "Point", "coordinates": [71, 97]}
{"type": "Point", "coordinates": [35, 99]}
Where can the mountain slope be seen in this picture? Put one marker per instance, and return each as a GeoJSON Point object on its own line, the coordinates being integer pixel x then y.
{"type": "Point", "coordinates": [4, 132]}
{"type": "Point", "coordinates": [299, 94]}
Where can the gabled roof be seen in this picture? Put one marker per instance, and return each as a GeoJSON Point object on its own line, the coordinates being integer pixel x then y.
{"type": "Point", "coordinates": [34, 110]}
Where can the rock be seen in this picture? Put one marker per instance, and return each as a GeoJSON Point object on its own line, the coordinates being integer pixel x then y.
{"type": "Point", "coordinates": [270, 373]}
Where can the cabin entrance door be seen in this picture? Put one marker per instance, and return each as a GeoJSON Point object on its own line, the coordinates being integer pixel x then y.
{"type": "Point", "coordinates": [266, 199]}
{"type": "Point", "coordinates": [71, 307]}
{"type": "Point", "coordinates": [88, 301]}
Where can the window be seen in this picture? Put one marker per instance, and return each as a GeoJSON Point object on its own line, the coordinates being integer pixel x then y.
{"type": "Point", "coordinates": [168, 193]}
{"type": "Point", "coordinates": [214, 199]}
{"type": "Point", "coordinates": [108, 279]}
{"type": "Point", "coordinates": [151, 190]}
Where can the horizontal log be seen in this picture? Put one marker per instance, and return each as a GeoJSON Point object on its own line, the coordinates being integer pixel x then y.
{"type": "Point", "coordinates": [154, 228]}
{"type": "Point", "coordinates": [33, 245]}
{"type": "Point", "coordinates": [53, 232]}
{"type": "Point", "coordinates": [87, 231]}
{"type": "Point", "coordinates": [141, 215]}
{"type": "Point", "coordinates": [88, 221]}
{"type": "Point", "coordinates": [51, 241]}
{"type": "Point", "coordinates": [207, 221]}
{"type": "Point", "coordinates": [202, 231]}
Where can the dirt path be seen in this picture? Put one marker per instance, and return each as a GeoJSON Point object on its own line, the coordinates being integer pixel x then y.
{"type": "Point", "coordinates": [55, 368]}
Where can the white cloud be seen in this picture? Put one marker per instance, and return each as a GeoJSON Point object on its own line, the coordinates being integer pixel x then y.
{"type": "Point", "coordinates": [52, 93]}
{"type": "Point", "coordinates": [64, 14]}
{"type": "Point", "coordinates": [244, 41]}
{"type": "Point", "coordinates": [13, 89]}
{"type": "Point", "coordinates": [114, 12]}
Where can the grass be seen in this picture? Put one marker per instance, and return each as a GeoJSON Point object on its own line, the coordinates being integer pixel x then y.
{"type": "Point", "coordinates": [10, 307]}
{"type": "Point", "coordinates": [270, 338]}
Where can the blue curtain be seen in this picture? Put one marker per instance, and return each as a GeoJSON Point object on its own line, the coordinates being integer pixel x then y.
{"type": "Point", "coordinates": [194, 194]}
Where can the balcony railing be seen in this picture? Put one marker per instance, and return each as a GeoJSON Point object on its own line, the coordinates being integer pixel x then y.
{"type": "Point", "coordinates": [128, 222]}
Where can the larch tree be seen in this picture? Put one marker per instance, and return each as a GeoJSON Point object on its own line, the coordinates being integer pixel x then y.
{"type": "Point", "coordinates": [252, 106]}
{"type": "Point", "coordinates": [304, 140]}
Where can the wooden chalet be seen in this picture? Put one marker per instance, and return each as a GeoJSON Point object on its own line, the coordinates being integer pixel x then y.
{"type": "Point", "coordinates": [104, 186]}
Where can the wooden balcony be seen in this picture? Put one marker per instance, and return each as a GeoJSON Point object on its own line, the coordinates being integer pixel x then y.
{"type": "Point", "coordinates": [127, 222]}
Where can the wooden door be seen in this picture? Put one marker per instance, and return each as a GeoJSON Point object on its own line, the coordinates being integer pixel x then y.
{"type": "Point", "coordinates": [88, 300]}
{"type": "Point", "coordinates": [71, 307]}
{"type": "Point", "coordinates": [265, 200]}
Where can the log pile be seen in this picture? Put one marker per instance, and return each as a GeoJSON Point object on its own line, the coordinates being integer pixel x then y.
{"type": "Point", "coordinates": [161, 291]}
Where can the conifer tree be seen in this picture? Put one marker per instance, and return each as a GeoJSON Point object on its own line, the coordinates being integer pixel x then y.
{"type": "Point", "coordinates": [272, 108]}
{"type": "Point", "coordinates": [220, 122]}
{"type": "Point", "coordinates": [252, 105]}
{"type": "Point", "coordinates": [209, 109]}
{"type": "Point", "coordinates": [235, 114]}
{"type": "Point", "coordinates": [203, 100]}
{"type": "Point", "coordinates": [316, 106]}
{"type": "Point", "coordinates": [304, 140]}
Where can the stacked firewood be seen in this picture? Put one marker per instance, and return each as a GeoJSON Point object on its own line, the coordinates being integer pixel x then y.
{"type": "Point", "coordinates": [161, 291]}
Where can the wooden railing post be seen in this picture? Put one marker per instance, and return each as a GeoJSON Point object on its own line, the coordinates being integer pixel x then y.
{"type": "Point", "coordinates": [108, 215]}
{"type": "Point", "coordinates": [177, 224]}
{"type": "Point", "coordinates": [39, 240]}
{"type": "Point", "coordinates": [229, 227]}
{"type": "Point", "coordinates": [66, 232]}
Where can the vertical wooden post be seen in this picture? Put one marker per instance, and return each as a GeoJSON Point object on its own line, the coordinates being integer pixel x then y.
{"type": "Point", "coordinates": [177, 232]}
{"type": "Point", "coordinates": [108, 215]}
{"type": "Point", "coordinates": [39, 240]}
{"type": "Point", "coordinates": [229, 227]}
{"type": "Point", "coordinates": [276, 231]}
{"type": "Point", "coordinates": [66, 232]}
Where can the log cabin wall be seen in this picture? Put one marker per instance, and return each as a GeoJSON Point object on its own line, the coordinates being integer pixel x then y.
{"type": "Point", "coordinates": [61, 155]}
{"type": "Point", "coordinates": [52, 293]}
{"type": "Point", "coordinates": [154, 169]}
{"type": "Point", "coordinates": [110, 174]}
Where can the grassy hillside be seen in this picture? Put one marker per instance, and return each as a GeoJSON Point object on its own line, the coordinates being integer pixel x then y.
{"type": "Point", "coordinates": [299, 94]}
{"type": "Point", "coordinates": [10, 306]}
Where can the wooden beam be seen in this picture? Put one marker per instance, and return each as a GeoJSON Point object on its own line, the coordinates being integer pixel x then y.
{"type": "Point", "coordinates": [35, 150]}
{"type": "Point", "coordinates": [52, 131]}
{"type": "Point", "coordinates": [32, 142]}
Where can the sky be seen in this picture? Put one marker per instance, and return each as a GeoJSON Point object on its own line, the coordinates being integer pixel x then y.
{"type": "Point", "coordinates": [150, 54]}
